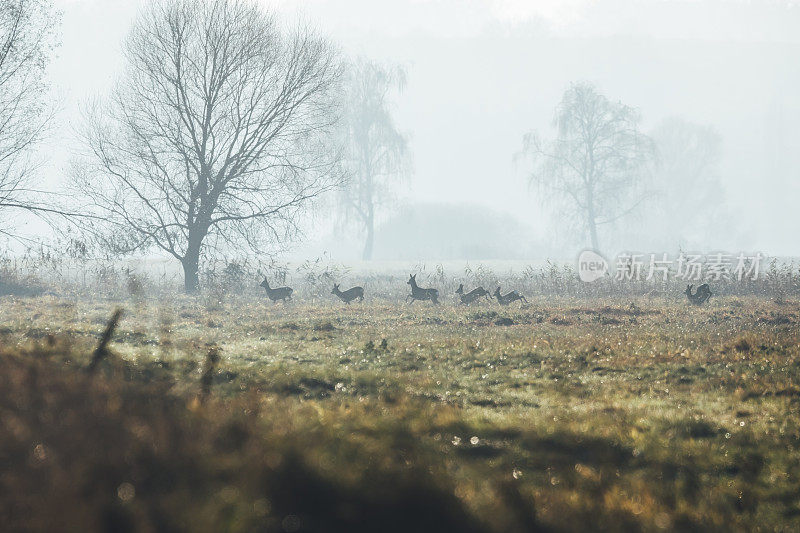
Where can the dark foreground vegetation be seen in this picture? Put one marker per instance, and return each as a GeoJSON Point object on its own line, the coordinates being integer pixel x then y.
{"type": "Point", "coordinates": [118, 452]}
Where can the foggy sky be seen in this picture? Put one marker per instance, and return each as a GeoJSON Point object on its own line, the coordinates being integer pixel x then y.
{"type": "Point", "coordinates": [482, 73]}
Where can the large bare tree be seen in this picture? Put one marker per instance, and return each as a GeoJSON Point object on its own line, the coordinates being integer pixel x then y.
{"type": "Point", "coordinates": [376, 153]}
{"type": "Point", "coordinates": [217, 135]}
{"type": "Point", "coordinates": [593, 171]}
{"type": "Point", "coordinates": [27, 38]}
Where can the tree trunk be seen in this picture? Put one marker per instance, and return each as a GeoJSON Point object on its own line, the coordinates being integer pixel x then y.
{"type": "Point", "coordinates": [367, 255]}
{"type": "Point", "coordinates": [191, 276]}
{"type": "Point", "coordinates": [191, 259]}
{"type": "Point", "coordinates": [592, 222]}
{"type": "Point", "coordinates": [593, 233]}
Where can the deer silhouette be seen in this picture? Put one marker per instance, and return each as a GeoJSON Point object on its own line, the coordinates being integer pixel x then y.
{"type": "Point", "coordinates": [350, 294]}
{"type": "Point", "coordinates": [280, 293]}
{"type": "Point", "coordinates": [506, 299]}
{"type": "Point", "coordinates": [418, 293]}
{"type": "Point", "coordinates": [471, 296]}
{"type": "Point", "coordinates": [700, 296]}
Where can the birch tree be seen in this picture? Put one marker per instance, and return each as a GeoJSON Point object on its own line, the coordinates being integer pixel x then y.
{"type": "Point", "coordinates": [594, 171]}
{"type": "Point", "coordinates": [376, 153]}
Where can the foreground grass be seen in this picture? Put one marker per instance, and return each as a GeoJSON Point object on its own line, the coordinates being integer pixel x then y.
{"type": "Point", "coordinates": [562, 415]}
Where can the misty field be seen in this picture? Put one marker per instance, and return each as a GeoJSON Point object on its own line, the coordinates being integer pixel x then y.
{"type": "Point", "coordinates": [628, 413]}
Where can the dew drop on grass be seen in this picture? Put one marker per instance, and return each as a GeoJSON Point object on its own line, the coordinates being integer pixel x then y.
{"type": "Point", "coordinates": [126, 492]}
{"type": "Point", "coordinates": [40, 452]}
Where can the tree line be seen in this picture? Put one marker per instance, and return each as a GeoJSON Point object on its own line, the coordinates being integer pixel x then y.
{"type": "Point", "coordinates": [227, 124]}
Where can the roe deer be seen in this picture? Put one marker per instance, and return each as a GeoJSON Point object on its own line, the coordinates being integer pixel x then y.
{"type": "Point", "coordinates": [700, 296]}
{"type": "Point", "coordinates": [512, 296]}
{"type": "Point", "coordinates": [418, 293]}
{"type": "Point", "coordinates": [471, 296]}
{"type": "Point", "coordinates": [280, 293]}
{"type": "Point", "coordinates": [350, 294]}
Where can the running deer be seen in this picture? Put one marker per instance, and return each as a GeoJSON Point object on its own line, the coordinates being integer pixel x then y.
{"type": "Point", "coordinates": [418, 293]}
{"type": "Point", "coordinates": [512, 296]}
{"type": "Point", "coordinates": [471, 296]}
{"type": "Point", "coordinates": [280, 293]}
{"type": "Point", "coordinates": [350, 294]}
{"type": "Point", "coordinates": [700, 296]}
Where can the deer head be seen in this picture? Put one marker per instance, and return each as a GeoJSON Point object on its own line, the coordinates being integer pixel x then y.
{"type": "Point", "coordinates": [688, 291]}
{"type": "Point", "coordinates": [335, 288]}
{"type": "Point", "coordinates": [460, 289]}
{"type": "Point", "coordinates": [412, 279]}
{"type": "Point", "coordinates": [265, 283]}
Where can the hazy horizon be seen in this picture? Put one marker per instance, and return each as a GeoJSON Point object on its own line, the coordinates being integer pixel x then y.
{"type": "Point", "coordinates": [483, 73]}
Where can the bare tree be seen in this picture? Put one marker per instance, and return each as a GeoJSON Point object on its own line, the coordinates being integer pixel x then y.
{"type": "Point", "coordinates": [594, 169]}
{"type": "Point", "coordinates": [27, 38]}
{"type": "Point", "coordinates": [218, 134]}
{"type": "Point", "coordinates": [688, 189]}
{"type": "Point", "coordinates": [376, 154]}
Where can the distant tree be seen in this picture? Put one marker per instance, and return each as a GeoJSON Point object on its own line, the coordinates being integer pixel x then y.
{"type": "Point", "coordinates": [219, 133]}
{"type": "Point", "coordinates": [688, 188]}
{"type": "Point", "coordinates": [27, 39]}
{"type": "Point", "coordinates": [376, 153]}
{"type": "Point", "coordinates": [594, 171]}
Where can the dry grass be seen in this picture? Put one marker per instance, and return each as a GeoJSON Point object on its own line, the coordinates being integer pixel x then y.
{"type": "Point", "coordinates": [626, 415]}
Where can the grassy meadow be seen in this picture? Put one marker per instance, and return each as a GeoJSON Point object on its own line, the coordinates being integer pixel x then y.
{"type": "Point", "coordinates": [629, 412]}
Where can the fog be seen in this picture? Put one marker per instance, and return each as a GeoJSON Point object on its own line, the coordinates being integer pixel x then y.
{"type": "Point", "coordinates": [481, 74]}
